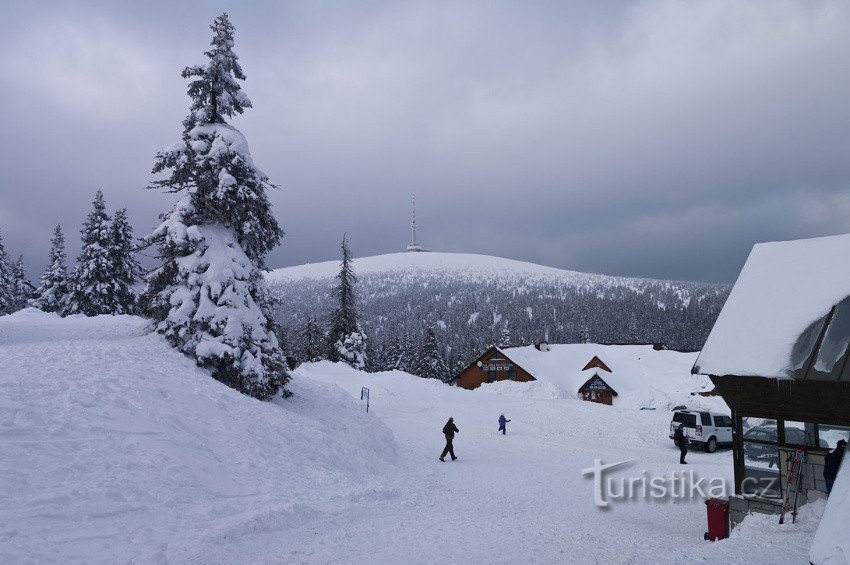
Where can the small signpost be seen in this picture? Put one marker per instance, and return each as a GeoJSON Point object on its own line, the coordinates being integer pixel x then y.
{"type": "Point", "coordinates": [364, 395]}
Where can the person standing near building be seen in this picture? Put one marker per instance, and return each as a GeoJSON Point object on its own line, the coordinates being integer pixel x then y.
{"type": "Point", "coordinates": [681, 442]}
{"type": "Point", "coordinates": [831, 464]}
{"type": "Point", "coordinates": [449, 430]}
{"type": "Point", "coordinates": [502, 422]}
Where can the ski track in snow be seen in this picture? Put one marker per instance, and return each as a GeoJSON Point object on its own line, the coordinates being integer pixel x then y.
{"type": "Point", "coordinates": [115, 448]}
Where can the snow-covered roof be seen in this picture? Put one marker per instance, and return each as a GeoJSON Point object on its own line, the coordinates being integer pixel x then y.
{"type": "Point", "coordinates": [772, 321]}
{"type": "Point", "coordinates": [634, 368]}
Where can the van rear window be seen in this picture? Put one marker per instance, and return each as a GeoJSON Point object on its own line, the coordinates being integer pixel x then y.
{"type": "Point", "coordinates": [690, 420]}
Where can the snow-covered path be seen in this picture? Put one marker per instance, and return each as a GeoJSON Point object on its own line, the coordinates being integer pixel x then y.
{"type": "Point", "coordinates": [115, 448]}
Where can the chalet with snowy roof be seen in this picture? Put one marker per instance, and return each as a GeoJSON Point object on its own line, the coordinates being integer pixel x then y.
{"type": "Point", "coordinates": [778, 355]}
{"type": "Point", "coordinates": [589, 371]}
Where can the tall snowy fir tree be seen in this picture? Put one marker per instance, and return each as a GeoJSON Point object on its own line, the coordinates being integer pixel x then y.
{"type": "Point", "coordinates": [125, 268]}
{"type": "Point", "coordinates": [346, 338]}
{"type": "Point", "coordinates": [92, 283]}
{"type": "Point", "coordinates": [312, 342]}
{"type": "Point", "coordinates": [584, 332]}
{"type": "Point", "coordinates": [505, 336]}
{"type": "Point", "coordinates": [430, 363]}
{"type": "Point", "coordinates": [633, 330]}
{"type": "Point", "coordinates": [407, 354]}
{"type": "Point", "coordinates": [52, 293]}
{"type": "Point", "coordinates": [7, 297]}
{"type": "Point", "coordinates": [22, 288]}
{"type": "Point", "coordinates": [392, 354]}
{"type": "Point", "coordinates": [209, 297]}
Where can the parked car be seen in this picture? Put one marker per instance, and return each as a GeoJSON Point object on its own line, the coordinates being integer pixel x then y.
{"type": "Point", "coordinates": [703, 429]}
{"type": "Point", "coordinates": [769, 453]}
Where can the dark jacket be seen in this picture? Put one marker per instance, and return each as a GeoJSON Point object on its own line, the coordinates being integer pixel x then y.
{"type": "Point", "coordinates": [503, 420]}
{"type": "Point", "coordinates": [832, 461]}
{"type": "Point", "coordinates": [679, 438]}
{"type": "Point", "coordinates": [450, 429]}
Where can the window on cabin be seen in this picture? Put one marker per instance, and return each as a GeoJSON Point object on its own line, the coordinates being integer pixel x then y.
{"type": "Point", "coordinates": [829, 436]}
{"type": "Point", "coordinates": [491, 376]}
{"type": "Point", "coordinates": [761, 457]}
{"type": "Point", "coordinates": [800, 433]}
{"type": "Point", "coordinates": [511, 375]}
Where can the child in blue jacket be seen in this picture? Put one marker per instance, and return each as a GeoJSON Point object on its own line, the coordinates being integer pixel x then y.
{"type": "Point", "coordinates": [502, 422]}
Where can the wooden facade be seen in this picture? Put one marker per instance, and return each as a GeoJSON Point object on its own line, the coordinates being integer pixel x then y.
{"type": "Point", "coordinates": [490, 367]}
{"type": "Point", "coordinates": [495, 365]}
{"type": "Point", "coordinates": [597, 390]}
{"type": "Point", "coordinates": [812, 402]}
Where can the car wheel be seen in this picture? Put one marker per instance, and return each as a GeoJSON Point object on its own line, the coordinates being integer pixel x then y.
{"type": "Point", "coordinates": [711, 445]}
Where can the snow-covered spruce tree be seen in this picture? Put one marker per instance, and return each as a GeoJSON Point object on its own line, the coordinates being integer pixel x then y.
{"type": "Point", "coordinates": [633, 330]}
{"type": "Point", "coordinates": [430, 363]}
{"type": "Point", "coordinates": [125, 268]}
{"type": "Point", "coordinates": [92, 283]}
{"type": "Point", "coordinates": [374, 357]}
{"type": "Point", "coordinates": [392, 354]}
{"type": "Point", "coordinates": [52, 293]}
{"type": "Point", "coordinates": [347, 339]}
{"type": "Point", "coordinates": [505, 337]}
{"type": "Point", "coordinates": [312, 342]}
{"type": "Point", "coordinates": [22, 289]}
{"type": "Point", "coordinates": [584, 332]}
{"type": "Point", "coordinates": [7, 297]}
{"type": "Point", "coordinates": [352, 350]}
{"type": "Point", "coordinates": [407, 354]}
{"type": "Point", "coordinates": [208, 297]}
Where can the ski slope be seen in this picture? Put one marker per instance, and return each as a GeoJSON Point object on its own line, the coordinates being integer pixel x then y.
{"type": "Point", "coordinates": [115, 448]}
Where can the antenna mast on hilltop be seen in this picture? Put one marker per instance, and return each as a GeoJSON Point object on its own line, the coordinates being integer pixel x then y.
{"type": "Point", "coordinates": [413, 245]}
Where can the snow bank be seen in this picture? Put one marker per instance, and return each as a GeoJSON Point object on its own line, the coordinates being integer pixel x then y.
{"type": "Point", "coordinates": [760, 538]}
{"type": "Point", "coordinates": [116, 448]}
{"type": "Point", "coordinates": [831, 545]}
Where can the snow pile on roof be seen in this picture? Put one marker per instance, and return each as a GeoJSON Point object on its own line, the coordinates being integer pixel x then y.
{"type": "Point", "coordinates": [640, 374]}
{"type": "Point", "coordinates": [118, 448]}
{"type": "Point", "coordinates": [831, 545]}
{"type": "Point", "coordinates": [782, 290]}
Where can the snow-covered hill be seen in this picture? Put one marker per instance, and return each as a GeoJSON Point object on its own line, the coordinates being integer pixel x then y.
{"type": "Point", "coordinates": [470, 298]}
{"type": "Point", "coordinates": [116, 449]}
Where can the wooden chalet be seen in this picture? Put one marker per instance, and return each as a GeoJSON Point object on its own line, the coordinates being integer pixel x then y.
{"type": "Point", "coordinates": [779, 355]}
{"type": "Point", "coordinates": [589, 371]}
{"type": "Point", "coordinates": [493, 365]}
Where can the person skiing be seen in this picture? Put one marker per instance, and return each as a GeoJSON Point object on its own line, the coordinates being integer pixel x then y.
{"type": "Point", "coordinates": [449, 430]}
{"type": "Point", "coordinates": [831, 464]}
{"type": "Point", "coordinates": [681, 442]}
{"type": "Point", "coordinates": [502, 422]}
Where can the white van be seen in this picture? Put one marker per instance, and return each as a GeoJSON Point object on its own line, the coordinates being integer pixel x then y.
{"type": "Point", "coordinates": [703, 429]}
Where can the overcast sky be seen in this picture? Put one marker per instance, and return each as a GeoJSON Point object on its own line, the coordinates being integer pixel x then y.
{"type": "Point", "coordinates": [656, 139]}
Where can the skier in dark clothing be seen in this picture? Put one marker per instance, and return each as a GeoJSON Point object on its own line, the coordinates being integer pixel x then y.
{"type": "Point", "coordinates": [502, 422]}
{"type": "Point", "coordinates": [449, 430]}
{"type": "Point", "coordinates": [832, 462]}
{"type": "Point", "coordinates": [681, 442]}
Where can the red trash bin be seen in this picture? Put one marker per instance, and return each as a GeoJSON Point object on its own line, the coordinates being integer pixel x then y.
{"type": "Point", "coordinates": [718, 519]}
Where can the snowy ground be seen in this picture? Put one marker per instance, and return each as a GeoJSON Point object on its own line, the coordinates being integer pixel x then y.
{"type": "Point", "coordinates": [114, 448]}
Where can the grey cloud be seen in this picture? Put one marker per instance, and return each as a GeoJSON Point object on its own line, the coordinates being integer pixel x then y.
{"type": "Point", "coordinates": [653, 138]}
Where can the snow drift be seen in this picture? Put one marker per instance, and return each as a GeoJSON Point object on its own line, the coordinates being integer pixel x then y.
{"type": "Point", "coordinates": [117, 448]}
